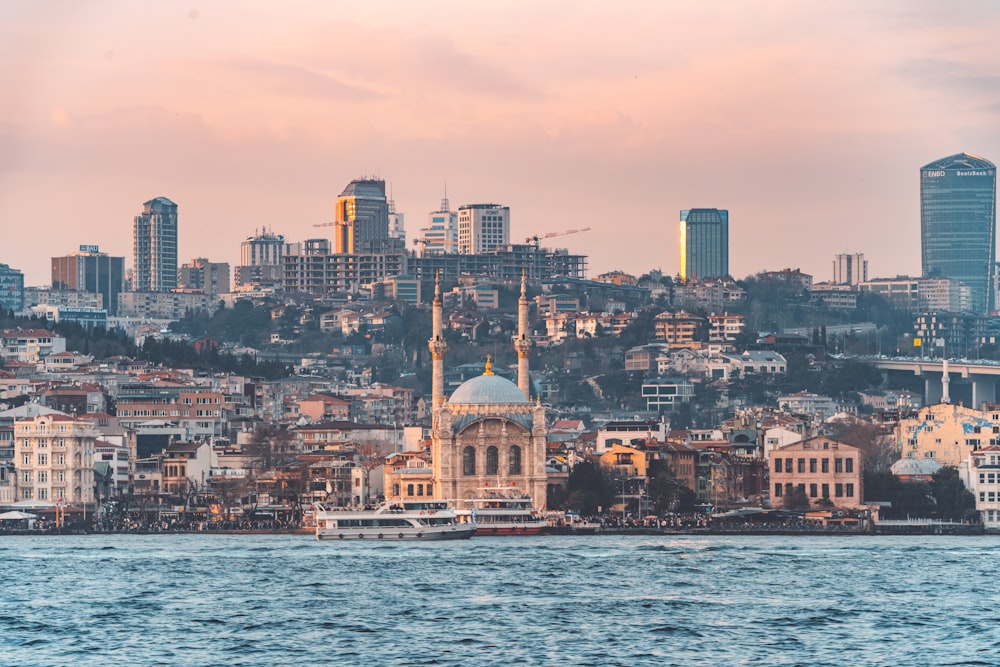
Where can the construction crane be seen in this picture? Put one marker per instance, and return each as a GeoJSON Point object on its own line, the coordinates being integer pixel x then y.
{"type": "Point", "coordinates": [324, 224]}
{"type": "Point", "coordinates": [533, 240]}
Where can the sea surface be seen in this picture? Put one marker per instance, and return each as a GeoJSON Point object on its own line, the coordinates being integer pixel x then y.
{"type": "Point", "coordinates": [570, 600]}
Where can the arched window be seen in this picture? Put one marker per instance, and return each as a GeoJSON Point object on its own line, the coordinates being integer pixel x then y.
{"type": "Point", "coordinates": [492, 461]}
{"type": "Point", "coordinates": [469, 461]}
{"type": "Point", "coordinates": [515, 460]}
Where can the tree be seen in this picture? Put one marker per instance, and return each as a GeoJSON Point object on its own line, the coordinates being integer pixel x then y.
{"type": "Point", "coordinates": [954, 501]}
{"type": "Point", "coordinates": [586, 490]}
{"type": "Point", "coordinates": [795, 498]}
{"type": "Point", "coordinates": [878, 450]}
{"type": "Point", "coordinates": [666, 492]}
{"type": "Point", "coordinates": [370, 455]}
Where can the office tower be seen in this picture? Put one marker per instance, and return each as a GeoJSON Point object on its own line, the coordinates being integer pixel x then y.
{"type": "Point", "coordinates": [91, 270]}
{"type": "Point", "coordinates": [482, 228]}
{"type": "Point", "coordinates": [441, 234]}
{"type": "Point", "coordinates": [11, 289]}
{"type": "Point", "coordinates": [204, 276]}
{"type": "Point", "coordinates": [958, 223]}
{"type": "Point", "coordinates": [261, 259]}
{"type": "Point", "coordinates": [362, 223]}
{"type": "Point", "coordinates": [850, 269]}
{"type": "Point", "coordinates": [155, 246]}
{"type": "Point", "coordinates": [704, 243]}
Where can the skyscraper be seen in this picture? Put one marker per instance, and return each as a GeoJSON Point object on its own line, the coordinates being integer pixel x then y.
{"type": "Point", "coordinates": [261, 259]}
{"type": "Point", "coordinates": [91, 270]}
{"type": "Point", "coordinates": [362, 224]}
{"type": "Point", "coordinates": [154, 240]}
{"type": "Point", "coordinates": [704, 243]}
{"type": "Point", "coordinates": [958, 223]}
{"type": "Point", "coordinates": [482, 228]}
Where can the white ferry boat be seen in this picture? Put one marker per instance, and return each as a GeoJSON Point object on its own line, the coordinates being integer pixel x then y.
{"type": "Point", "coordinates": [405, 520]}
{"type": "Point", "coordinates": [500, 513]}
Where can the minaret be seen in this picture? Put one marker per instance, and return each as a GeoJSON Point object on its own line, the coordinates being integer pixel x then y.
{"type": "Point", "coordinates": [437, 345]}
{"type": "Point", "coordinates": [945, 394]}
{"type": "Point", "coordinates": [523, 343]}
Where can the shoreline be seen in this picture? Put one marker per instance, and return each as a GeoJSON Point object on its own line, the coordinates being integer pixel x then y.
{"type": "Point", "coordinates": [700, 532]}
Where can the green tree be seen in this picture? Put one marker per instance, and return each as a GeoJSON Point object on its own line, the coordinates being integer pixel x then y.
{"type": "Point", "coordinates": [954, 502]}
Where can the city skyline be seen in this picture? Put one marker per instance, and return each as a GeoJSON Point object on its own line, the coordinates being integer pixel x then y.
{"type": "Point", "coordinates": [808, 123]}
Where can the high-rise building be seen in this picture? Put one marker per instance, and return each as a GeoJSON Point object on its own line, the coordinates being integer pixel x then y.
{"type": "Point", "coordinates": [362, 224]}
{"type": "Point", "coordinates": [155, 246]}
{"type": "Point", "coordinates": [958, 223]}
{"type": "Point", "coordinates": [261, 259]}
{"type": "Point", "coordinates": [441, 233]}
{"type": "Point", "coordinates": [11, 289]}
{"type": "Point", "coordinates": [205, 276]}
{"type": "Point", "coordinates": [91, 270]}
{"type": "Point", "coordinates": [850, 269]}
{"type": "Point", "coordinates": [704, 243]}
{"type": "Point", "coordinates": [482, 228]}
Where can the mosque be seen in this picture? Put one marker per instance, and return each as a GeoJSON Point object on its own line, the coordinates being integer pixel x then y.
{"type": "Point", "coordinates": [488, 437]}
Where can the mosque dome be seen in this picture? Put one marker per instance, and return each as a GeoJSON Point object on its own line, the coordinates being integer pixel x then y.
{"type": "Point", "coordinates": [487, 389]}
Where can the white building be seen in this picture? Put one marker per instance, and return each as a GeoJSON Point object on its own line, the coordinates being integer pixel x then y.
{"type": "Point", "coordinates": [54, 458]}
{"type": "Point", "coordinates": [983, 480]}
{"type": "Point", "coordinates": [482, 228]}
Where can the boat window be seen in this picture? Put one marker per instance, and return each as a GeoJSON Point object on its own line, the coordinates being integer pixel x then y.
{"type": "Point", "coordinates": [469, 461]}
{"type": "Point", "coordinates": [492, 461]}
{"type": "Point", "coordinates": [515, 460]}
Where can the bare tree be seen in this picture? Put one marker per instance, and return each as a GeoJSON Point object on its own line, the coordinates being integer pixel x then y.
{"type": "Point", "coordinates": [878, 449]}
{"type": "Point", "coordinates": [370, 454]}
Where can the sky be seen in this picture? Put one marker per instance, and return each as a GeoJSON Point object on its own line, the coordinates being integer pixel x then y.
{"type": "Point", "coordinates": [807, 121]}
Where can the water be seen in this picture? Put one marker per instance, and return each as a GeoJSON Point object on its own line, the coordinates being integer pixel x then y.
{"type": "Point", "coordinates": [594, 600]}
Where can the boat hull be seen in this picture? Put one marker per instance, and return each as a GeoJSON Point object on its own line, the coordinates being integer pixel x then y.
{"type": "Point", "coordinates": [505, 529]}
{"type": "Point", "coordinates": [457, 532]}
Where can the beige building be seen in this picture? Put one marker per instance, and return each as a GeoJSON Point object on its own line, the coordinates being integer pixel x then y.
{"type": "Point", "coordinates": [947, 433]}
{"type": "Point", "coordinates": [54, 459]}
{"type": "Point", "coordinates": [823, 468]}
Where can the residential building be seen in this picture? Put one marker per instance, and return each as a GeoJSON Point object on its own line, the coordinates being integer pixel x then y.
{"type": "Point", "coordinates": [30, 345]}
{"type": "Point", "coordinates": [806, 403]}
{"type": "Point", "coordinates": [482, 228]}
{"type": "Point", "coordinates": [164, 305]}
{"type": "Point", "coordinates": [11, 289]}
{"type": "Point", "coordinates": [55, 458]}
{"type": "Point", "coordinates": [154, 239]}
{"type": "Point", "coordinates": [680, 329]}
{"type": "Point", "coordinates": [984, 483]}
{"type": "Point", "coordinates": [850, 269]}
{"type": "Point", "coordinates": [947, 433]}
{"type": "Point", "coordinates": [204, 276]}
{"type": "Point", "coordinates": [92, 271]}
{"type": "Point", "coordinates": [704, 243]}
{"type": "Point", "coordinates": [958, 223]}
{"type": "Point", "coordinates": [666, 393]}
{"type": "Point", "coordinates": [725, 327]}
{"type": "Point", "coordinates": [828, 471]}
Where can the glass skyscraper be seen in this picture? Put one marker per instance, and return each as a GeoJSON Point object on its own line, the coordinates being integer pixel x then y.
{"type": "Point", "coordinates": [958, 223]}
{"type": "Point", "coordinates": [704, 243]}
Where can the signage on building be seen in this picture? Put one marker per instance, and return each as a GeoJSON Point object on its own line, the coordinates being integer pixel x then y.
{"type": "Point", "coordinates": [90, 248]}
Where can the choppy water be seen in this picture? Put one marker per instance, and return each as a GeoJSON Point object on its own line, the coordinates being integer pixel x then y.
{"type": "Point", "coordinates": [595, 600]}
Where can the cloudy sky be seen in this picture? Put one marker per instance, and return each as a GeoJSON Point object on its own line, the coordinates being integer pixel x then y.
{"type": "Point", "coordinates": [808, 121]}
